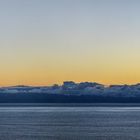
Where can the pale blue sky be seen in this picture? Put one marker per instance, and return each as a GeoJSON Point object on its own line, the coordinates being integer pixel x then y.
{"type": "Point", "coordinates": [49, 41]}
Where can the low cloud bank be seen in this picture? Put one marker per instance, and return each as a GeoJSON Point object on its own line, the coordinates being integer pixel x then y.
{"type": "Point", "coordinates": [77, 89]}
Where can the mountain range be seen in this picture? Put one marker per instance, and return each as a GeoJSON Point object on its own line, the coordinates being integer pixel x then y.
{"type": "Point", "coordinates": [70, 91]}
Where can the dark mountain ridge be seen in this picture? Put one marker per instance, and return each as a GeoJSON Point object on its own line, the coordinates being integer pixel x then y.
{"type": "Point", "coordinates": [71, 92]}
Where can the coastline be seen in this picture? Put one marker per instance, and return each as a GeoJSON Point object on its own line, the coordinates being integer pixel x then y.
{"type": "Point", "coordinates": [69, 104]}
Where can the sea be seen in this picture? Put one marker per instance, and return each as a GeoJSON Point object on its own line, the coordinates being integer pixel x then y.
{"type": "Point", "coordinates": [70, 121]}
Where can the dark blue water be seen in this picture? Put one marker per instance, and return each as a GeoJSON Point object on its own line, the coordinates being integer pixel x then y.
{"type": "Point", "coordinates": [97, 122]}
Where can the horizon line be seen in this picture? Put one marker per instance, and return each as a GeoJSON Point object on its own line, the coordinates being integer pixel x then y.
{"type": "Point", "coordinates": [60, 84]}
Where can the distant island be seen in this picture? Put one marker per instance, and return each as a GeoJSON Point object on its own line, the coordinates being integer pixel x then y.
{"type": "Point", "coordinates": [71, 92]}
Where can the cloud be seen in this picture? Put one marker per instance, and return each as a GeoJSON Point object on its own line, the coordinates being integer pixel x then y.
{"type": "Point", "coordinates": [83, 88]}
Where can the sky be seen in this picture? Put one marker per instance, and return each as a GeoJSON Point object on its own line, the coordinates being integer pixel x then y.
{"type": "Point", "coordinates": [43, 42]}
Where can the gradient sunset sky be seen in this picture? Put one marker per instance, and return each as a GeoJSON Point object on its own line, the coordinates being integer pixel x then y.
{"type": "Point", "coordinates": [43, 42]}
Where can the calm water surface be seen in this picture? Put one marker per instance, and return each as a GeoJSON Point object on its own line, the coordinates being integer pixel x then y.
{"type": "Point", "coordinates": [95, 122]}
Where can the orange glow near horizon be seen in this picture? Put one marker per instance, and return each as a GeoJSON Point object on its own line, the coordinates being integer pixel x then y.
{"type": "Point", "coordinates": [26, 66]}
